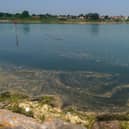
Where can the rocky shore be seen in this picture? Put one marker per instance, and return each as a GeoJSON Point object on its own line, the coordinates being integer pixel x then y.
{"type": "Point", "coordinates": [9, 120]}
{"type": "Point", "coordinates": [19, 111]}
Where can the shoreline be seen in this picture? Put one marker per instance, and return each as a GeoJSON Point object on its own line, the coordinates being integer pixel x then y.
{"type": "Point", "coordinates": [63, 22]}
{"type": "Point", "coordinates": [36, 82]}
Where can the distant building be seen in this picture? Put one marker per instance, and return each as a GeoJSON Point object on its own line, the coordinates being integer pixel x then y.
{"type": "Point", "coordinates": [126, 17]}
{"type": "Point", "coordinates": [119, 18]}
{"type": "Point", "coordinates": [81, 17]}
{"type": "Point", "coordinates": [62, 17]}
{"type": "Point", "coordinates": [102, 17]}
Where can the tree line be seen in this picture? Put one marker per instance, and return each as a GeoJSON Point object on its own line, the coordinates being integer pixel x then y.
{"type": "Point", "coordinates": [26, 14]}
{"type": "Point", "coordinates": [89, 16]}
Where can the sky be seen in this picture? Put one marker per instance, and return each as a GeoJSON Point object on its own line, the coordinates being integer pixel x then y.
{"type": "Point", "coordinates": [104, 7]}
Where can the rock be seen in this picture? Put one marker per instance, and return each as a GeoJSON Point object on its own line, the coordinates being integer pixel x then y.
{"type": "Point", "coordinates": [59, 124]}
{"type": "Point", "coordinates": [13, 121]}
{"type": "Point", "coordinates": [9, 120]}
{"type": "Point", "coordinates": [107, 125]}
{"type": "Point", "coordinates": [74, 119]}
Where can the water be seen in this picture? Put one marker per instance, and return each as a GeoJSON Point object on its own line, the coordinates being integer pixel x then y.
{"type": "Point", "coordinates": [88, 65]}
{"type": "Point", "coordinates": [66, 47]}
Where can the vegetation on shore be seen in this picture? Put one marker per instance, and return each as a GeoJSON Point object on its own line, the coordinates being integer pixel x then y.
{"type": "Point", "coordinates": [26, 17]}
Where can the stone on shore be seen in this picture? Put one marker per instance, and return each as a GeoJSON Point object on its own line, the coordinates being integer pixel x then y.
{"type": "Point", "coordinates": [9, 120]}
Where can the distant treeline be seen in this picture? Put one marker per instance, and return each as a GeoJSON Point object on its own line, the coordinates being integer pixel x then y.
{"type": "Point", "coordinates": [50, 17]}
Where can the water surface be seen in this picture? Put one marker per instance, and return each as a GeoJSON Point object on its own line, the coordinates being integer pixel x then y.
{"type": "Point", "coordinates": [87, 65]}
{"type": "Point", "coordinates": [66, 47]}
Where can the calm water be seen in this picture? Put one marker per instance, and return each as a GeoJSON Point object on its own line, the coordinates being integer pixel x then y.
{"type": "Point", "coordinates": [66, 47]}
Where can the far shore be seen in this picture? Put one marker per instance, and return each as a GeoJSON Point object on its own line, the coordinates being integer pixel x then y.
{"type": "Point", "coordinates": [59, 22]}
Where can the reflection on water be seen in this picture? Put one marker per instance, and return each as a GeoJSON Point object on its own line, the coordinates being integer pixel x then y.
{"type": "Point", "coordinates": [26, 28]}
{"type": "Point", "coordinates": [16, 31]}
{"type": "Point", "coordinates": [17, 41]}
{"type": "Point", "coordinates": [95, 29]}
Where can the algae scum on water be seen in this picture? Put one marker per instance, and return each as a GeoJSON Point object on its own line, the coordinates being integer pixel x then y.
{"type": "Point", "coordinates": [88, 91]}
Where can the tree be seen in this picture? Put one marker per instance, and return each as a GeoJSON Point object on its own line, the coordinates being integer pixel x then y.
{"type": "Point", "coordinates": [17, 15]}
{"type": "Point", "coordinates": [81, 15]}
{"type": "Point", "coordinates": [25, 14]}
{"type": "Point", "coordinates": [92, 16]}
{"type": "Point", "coordinates": [1, 14]}
{"type": "Point", "coordinates": [5, 15]}
{"type": "Point", "coordinates": [106, 17]}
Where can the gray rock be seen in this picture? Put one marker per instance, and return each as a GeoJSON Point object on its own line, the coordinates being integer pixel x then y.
{"type": "Point", "coordinates": [9, 120]}
{"type": "Point", "coordinates": [59, 124]}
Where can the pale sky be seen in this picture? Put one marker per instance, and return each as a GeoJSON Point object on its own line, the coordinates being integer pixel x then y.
{"type": "Point", "coordinates": [111, 7]}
